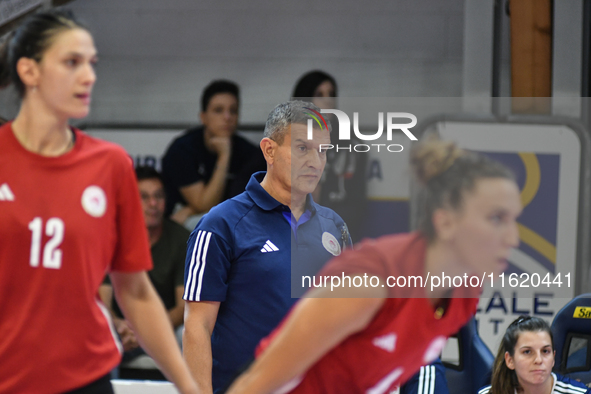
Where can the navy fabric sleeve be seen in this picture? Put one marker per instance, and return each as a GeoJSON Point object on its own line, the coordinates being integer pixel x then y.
{"type": "Point", "coordinates": [207, 266]}
{"type": "Point", "coordinates": [564, 384]}
{"type": "Point", "coordinates": [429, 380]}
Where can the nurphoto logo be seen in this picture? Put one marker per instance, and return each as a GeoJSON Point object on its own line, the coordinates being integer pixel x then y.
{"type": "Point", "coordinates": [345, 130]}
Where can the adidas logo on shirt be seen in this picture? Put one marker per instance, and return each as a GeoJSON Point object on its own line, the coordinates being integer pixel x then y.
{"type": "Point", "coordinates": [386, 342]}
{"type": "Point", "coordinates": [269, 247]}
{"type": "Point", "coordinates": [6, 193]}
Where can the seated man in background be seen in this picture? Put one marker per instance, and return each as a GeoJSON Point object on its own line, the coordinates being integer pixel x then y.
{"type": "Point", "coordinates": [168, 241]}
{"type": "Point", "coordinates": [210, 163]}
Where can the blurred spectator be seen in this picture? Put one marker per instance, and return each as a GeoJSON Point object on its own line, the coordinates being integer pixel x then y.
{"type": "Point", "coordinates": [343, 186]}
{"type": "Point", "coordinates": [168, 242]}
{"type": "Point", "coordinates": [210, 163]}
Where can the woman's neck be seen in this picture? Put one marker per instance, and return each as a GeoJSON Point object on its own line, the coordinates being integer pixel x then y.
{"type": "Point", "coordinates": [439, 260]}
{"type": "Point", "coordinates": [40, 132]}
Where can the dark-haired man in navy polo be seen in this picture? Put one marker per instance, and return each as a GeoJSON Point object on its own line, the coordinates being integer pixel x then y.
{"type": "Point", "coordinates": [238, 270]}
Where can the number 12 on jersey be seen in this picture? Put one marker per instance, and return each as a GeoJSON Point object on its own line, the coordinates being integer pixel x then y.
{"type": "Point", "coordinates": [52, 255]}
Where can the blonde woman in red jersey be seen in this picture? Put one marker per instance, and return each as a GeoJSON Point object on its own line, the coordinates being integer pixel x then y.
{"type": "Point", "coordinates": [370, 339]}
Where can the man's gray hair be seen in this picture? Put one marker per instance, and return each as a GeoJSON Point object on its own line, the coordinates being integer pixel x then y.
{"type": "Point", "coordinates": [284, 114]}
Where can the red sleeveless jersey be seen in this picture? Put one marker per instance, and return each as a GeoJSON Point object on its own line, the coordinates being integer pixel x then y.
{"type": "Point", "coordinates": [405, 334]}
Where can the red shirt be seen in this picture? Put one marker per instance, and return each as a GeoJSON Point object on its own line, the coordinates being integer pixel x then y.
{"type": "Point", "coordinates": [64, 222]}
{"type": "Point", "coordinates": [405, 333]}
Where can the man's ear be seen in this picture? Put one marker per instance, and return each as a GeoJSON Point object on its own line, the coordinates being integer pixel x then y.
{"type": "Point", "coordinates": [28, 71]}
{"type": "Point", "coordinates": [268, 146]}
{"type": "Point", "coordinates": [444, 223]}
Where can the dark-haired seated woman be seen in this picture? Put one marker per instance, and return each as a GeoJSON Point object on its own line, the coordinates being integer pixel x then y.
{"type": "Point", "coordinates": [524, 362]}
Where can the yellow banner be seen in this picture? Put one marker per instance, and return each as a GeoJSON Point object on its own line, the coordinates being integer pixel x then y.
{"type": "Point", "coordinates": [582, 312]}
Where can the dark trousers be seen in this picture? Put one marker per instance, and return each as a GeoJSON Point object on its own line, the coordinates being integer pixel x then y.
{"type": "Point", "coordinates": [236, 375]}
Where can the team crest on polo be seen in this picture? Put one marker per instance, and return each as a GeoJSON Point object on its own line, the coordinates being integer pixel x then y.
{"type": "Point", "coordinates": [331, 244]}
{"type": "Point", "coordinates": [94, 201]}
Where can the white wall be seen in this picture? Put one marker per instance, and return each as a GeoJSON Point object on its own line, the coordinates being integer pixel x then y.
{"type": "Point", "coordinates": [157, 55]}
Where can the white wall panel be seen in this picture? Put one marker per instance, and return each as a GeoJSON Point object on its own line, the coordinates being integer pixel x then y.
{"type": "Point", "coordinates": [156, 56]}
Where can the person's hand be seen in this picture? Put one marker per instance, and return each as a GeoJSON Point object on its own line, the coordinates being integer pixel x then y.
{"type": "Point", "coordinates": [220, 145]}
{"type": "Point", "coordinates": [181, 215]}
{"type": "Point", "coordinates": [126, 334]}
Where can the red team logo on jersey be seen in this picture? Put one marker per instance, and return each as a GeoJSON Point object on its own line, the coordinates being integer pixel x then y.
{"type": "Point", "coordinates": [94, 201]}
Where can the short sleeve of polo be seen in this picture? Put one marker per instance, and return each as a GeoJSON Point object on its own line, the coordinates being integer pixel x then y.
{"type": "Point", "coordinates": [206, 267]}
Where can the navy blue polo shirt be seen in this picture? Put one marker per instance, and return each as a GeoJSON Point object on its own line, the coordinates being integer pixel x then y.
{"type": "Point", "coordinates": [316, 237]}
{"type": "Point", "coordinates": [240, 255]}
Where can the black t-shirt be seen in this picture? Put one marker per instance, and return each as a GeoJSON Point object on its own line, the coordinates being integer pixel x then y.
{"type": "Point", "coordinates": [188, 161]}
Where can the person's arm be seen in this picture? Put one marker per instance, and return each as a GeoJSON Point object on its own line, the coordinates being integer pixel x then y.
{"type": "Point", "coordinates": [207, 267]}
{"type": "Point", "coordinates": [200, 318]}
{"type": "Point", "coordinates": [175, 313]}
{"type": "Point", "coordinates": [143, 308]}
{"type": "Point", "coordinates": [314, 327]}
{"type": "Point", "coordinates": [201, 196]}
{"type": "Point", "coordinates": [126, 334]}
{"type": "Point", "coordinates": [181, 215]}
